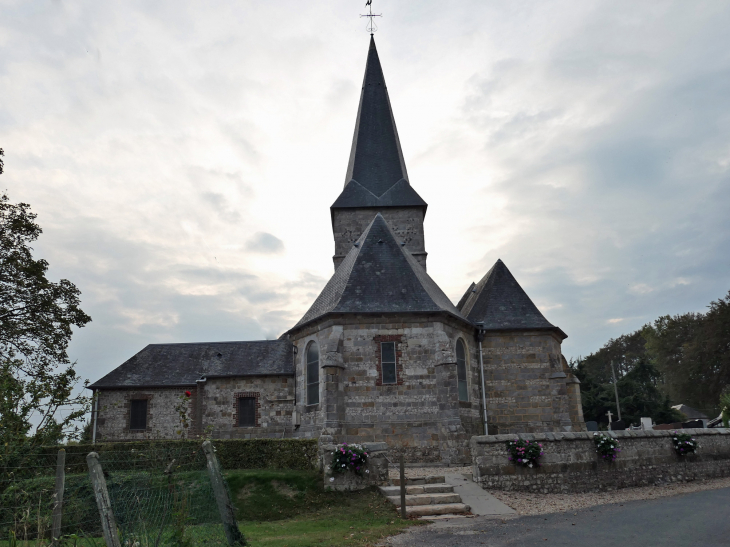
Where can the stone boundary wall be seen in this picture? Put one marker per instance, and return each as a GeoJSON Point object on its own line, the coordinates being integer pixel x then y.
{"type": "Point", "coordinates": [571, 463]}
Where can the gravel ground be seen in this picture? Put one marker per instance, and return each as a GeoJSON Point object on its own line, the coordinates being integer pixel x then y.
{"type": "Point", "coordinates": [539, 504]}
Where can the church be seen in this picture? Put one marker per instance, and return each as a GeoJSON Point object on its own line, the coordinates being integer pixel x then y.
{"type": "Point", "coordinates": [382, 354]}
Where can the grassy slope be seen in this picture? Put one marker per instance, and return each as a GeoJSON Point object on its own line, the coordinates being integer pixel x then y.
{"type": "Point", "coordinates": [291, 508]}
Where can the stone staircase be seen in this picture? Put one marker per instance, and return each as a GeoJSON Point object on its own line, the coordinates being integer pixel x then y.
{"type": "Point", "coordinates": [426, 496]}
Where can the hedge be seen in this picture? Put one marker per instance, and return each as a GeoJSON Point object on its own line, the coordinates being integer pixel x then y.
{"type": "Point", "coordinates": [299, 454]}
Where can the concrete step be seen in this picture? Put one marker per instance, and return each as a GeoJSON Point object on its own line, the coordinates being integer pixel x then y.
{"type": "Point", "coordinates": [431, 479]}
{"type": "Point", "coordinates": [437, 509]}
{"type": "Point", "coordinates": [426, 499]}
{"type": "Point", "coordinates": [424, 489]}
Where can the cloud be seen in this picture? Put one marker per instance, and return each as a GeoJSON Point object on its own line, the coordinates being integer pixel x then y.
{"type": "Point", "coordinates": [265, 243]}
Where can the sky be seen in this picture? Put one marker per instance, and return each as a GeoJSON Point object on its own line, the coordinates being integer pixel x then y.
{"type": "Point", "coordinates": [182, 156]}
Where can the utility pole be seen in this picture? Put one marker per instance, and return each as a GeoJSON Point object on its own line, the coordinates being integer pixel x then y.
{"type": "Point", "coordinates": [615, 390]}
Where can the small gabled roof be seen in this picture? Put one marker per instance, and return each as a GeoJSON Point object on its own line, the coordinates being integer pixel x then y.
{"type": "Point", "coordinates": [501, 304]}
{"type": "Point", "coordinates": [379, 275]}
{"type": "Point", "coordinates": [166, 365]}
{"type": "Point", "coordinates": [376, 173]}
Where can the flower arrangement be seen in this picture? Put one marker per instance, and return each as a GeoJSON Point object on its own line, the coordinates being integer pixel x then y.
{"type": "Point", "coordinates": [606, 446]}
{"type": "Point", "coordinates": [352, 457]}
{"type": "Point", "coordinates": [524, 452]}
{"type": "Point", "coordinates": [684, 443]}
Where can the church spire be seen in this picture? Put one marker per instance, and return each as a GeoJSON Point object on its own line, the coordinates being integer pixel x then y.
{"type": "Point", "coordinates": [377, 180]}
{"type": "Point", "coordinates": [376, 165]}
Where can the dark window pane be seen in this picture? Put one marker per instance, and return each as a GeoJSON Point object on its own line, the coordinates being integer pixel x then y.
{"type": "Point", "coordinates": [313, 394]}
{"type": "Point", "coordinates": [463, 393]}
{"type": "Point", "coordinates": [247, 411]}
{"type": "Point", "coordinates": [461, 371]}
{"type": "Point", "coordinates": [138, 414]}
{"type": "Point", "coordinates": [460, 352]}
{"type": "Point", "coordinates": [389, 373]}
{"type": "Point", "coordinates": [313, 372]}
{"type": "Point", "coordinates": [312, 353]}
{"type": "Point", "coordinates": [387, 352]}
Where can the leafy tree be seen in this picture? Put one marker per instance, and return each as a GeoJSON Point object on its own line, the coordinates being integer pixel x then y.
{"type": "Point", "coordinates": [637, 382]}
{"type": "Point", "coordinates": [692, 351]}
{"type": "Point", "coordinates": [37, 378]}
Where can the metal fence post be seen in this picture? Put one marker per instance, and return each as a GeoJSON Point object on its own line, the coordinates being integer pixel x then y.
{"type": "Point", "coordinates": [58, 495]}
{"type": "Point", "coordinates": [108, 524]}
{"type": "Point", "coordinates": [228, 516]}
{"type": "Point", "coordinates": [402, 487]}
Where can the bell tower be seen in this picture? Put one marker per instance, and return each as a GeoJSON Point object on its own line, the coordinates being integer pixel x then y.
{"type": "Point", "coordinates": [377, 180]}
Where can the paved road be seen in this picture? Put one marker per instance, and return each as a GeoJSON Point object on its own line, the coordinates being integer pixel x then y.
{"type": "Point", "coordinates": [700, 518]}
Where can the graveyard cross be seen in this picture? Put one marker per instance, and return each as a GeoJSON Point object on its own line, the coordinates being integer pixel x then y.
{"type": "Point", "coordinates": [609, 414]}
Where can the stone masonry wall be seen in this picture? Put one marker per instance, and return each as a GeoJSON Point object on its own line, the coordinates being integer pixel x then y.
{"type": "Point", "coordinates": [526, 384]}
{"type": "Point", "coordinates": [274, 417]}
{"type": "Point", "coordinates": [420, 415]}
{"type": "Point", "coordinates": [212, 410]}
{"type": "Point", "coordinates": [163, 421]}
{"type": "Point", "coordinates": [406, 223]}
{"type": "Point", "coordinates": [571, 464]}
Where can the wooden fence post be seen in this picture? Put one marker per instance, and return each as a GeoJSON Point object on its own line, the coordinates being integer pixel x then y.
{"type": "Point", "coordinates": [228, 515]}
{"type": "Point", "coordinates": [58, 495]}
{"type": "Point", "coordinates": [402, 487]}
{"type": "Point", "coordinates": [108, 524]}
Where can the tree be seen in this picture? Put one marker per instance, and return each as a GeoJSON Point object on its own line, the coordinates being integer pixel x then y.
{"type": "Point", "coordinates": [638, 382]}
{"type": "Point", "coordinates": [37, 378]}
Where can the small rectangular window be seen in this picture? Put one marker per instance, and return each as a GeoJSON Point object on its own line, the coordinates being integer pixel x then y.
{"type": "Point", "coordinates": [247, 411]}
{"type": "Point", "coordinates": [387, 362]}
{"type": "Point", "coordinates": [138, 414]}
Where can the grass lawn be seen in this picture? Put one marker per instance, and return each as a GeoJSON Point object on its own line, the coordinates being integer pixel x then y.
{"type": "Point", "coordinates": [291, 508]}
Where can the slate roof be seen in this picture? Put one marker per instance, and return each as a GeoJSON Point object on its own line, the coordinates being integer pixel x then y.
{"type": "Point", "coordinates": [379, 276]}
{"type": "Point", "coordinates": [160, 365]}
{"type": "Point", "coordinates": [376, 173]}
{"type": "Point", "coordinates": [500, 302]}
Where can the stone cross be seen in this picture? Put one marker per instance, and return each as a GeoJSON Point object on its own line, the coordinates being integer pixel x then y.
{"type": "Point", "coordinates": [609, 414]}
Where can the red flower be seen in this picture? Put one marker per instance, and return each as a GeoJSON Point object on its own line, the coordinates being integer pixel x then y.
{"type": "Point", "coordinates": [188, 394]}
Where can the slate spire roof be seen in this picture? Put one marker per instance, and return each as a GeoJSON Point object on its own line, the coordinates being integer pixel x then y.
{"type": "Point", "coordinates": [500, 302]}
{"type": "Point", "coordinates": [376, 173]}
{"type": "Point", "coordinates": [379, 275]}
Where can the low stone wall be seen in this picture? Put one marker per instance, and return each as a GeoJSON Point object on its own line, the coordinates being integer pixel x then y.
{"type": "Point", "coordinates": [376, 471]}
{"type": "Point", "coordinates": [571, 464]}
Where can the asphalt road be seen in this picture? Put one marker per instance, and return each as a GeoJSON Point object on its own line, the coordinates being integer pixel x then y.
{"type": "Point", "coordinates": [697, 519]}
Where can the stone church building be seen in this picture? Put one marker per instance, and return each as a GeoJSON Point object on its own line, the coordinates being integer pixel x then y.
{"type": "Point", "coordinates": [381, 355]}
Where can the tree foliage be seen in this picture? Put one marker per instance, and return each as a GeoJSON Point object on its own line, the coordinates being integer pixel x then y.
{"type": "Point", "coordinates": [684, 359]}
{"type": "Point", "coordinates": [37, 315]}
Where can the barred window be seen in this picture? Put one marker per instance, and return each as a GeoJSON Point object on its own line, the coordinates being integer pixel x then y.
{"type": "Point", "coordinates": [247, 411]}
{"type": "Point", "coordinates": [461, 370]}
{"type": "Point", "coordinates": [312, 374]}
{"type": "Point", "coordinates": [138, 414]}
{"type": "Point", "coordinates": [387, 362]}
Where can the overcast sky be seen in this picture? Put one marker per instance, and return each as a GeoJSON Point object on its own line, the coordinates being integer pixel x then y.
{"type": "Point", "coordinates": [182, 156]}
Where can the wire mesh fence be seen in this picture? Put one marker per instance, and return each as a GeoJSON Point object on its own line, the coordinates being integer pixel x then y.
{"type": "Point", "coordinates": [159, 497]}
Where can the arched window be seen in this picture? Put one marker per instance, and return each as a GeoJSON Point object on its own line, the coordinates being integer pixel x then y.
{"type": "Point", "coordinates": [461, 370]}
{"type": "Point", "coordinates": [312, 374]}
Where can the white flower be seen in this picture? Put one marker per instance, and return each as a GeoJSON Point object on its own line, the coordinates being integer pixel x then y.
{"type": "Point", "coordinates": [367, 471]}
{"type": "Point", "coordinates": [332, 479]}
{"type": "Point", "coordinates": [529, 465]}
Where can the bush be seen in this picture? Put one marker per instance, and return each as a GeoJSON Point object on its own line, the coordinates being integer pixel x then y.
{"type": "Point", "coordinates": [300, 454]}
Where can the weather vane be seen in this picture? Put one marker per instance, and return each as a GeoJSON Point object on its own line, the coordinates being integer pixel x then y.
{"type": "Point", "coordinates": [372, 28]}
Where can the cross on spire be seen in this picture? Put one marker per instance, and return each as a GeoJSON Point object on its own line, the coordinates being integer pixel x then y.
{"type": "Point", "coordinates": [371, 27]}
